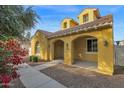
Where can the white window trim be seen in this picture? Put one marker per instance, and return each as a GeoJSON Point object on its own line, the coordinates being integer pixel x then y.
{"type": "Point", "coordinates": [86, 46]}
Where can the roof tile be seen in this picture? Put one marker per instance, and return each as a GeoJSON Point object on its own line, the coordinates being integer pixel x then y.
{"type": "Point", "coordinates": [98, 22]}
{"type": "Point", "coordinates": [101, 21]}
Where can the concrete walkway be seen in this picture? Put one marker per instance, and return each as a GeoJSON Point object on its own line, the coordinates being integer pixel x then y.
{"type": "Point", "coordinates": [32, 78]}
{"type": "Point", "coordinates": [48, 64]}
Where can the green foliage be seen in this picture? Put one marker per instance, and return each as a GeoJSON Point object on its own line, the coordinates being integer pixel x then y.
{"type": "Point", "coordinates": [14, 20]}
{"type": "Point", "coordinates": [34, 58]}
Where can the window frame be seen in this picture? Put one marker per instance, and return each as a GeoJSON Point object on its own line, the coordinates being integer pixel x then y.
{"type": "Point", "coordinates": [37, 47]}
{"type": "Point", "coordinates": [87, 18]}
{"type": "Point", "coordinates": [65, 25]}
{"type": "Point", "coordinates": [92, 52]}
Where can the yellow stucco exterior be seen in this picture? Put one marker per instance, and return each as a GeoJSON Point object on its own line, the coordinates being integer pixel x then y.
{"type": "Point", "coordinates": [92, 13]}
{"type": "Point", "coordinates": [41, 38]}
{"type": "Point", "coordinates": [68, 23]}
{"type": "Point", "coordinates": [73, 46]}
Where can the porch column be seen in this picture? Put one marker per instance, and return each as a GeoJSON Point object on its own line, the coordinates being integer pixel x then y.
{"type": "Point", "coordinates": [106, 53]}
{"type": "Point", "coordinates": [68, 52]}
{"type": "Point", "coordinates": [51, 51]}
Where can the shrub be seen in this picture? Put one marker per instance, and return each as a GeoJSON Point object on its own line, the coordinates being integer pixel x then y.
{"type": "Point", "coordinates": [34, 58]}
{"type": "Point", "coordinates": [11, 54]}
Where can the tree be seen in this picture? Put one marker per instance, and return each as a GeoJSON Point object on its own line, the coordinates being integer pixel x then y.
{"type": "Point", "coordinates": [28, 35]}
{"type": "Point", "coordinates": [15, 20]}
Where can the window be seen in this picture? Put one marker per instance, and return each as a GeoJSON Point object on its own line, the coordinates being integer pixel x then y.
{"type": "Point", "coordinates": [37, 48]}
{"type": "Point", "coordinates": [85, 18]}
{"type": "Point", "coordinates": [92, 45]}
{"type": "Point", "coordinates": [65, 25]}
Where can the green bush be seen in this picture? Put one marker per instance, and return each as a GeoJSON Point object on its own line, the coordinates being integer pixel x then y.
{"type": "Point", "coordinates": [34, 58]}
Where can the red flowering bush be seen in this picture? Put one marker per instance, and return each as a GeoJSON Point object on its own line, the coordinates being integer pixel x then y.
{"type": "Point", "coordinates": [11, 54]}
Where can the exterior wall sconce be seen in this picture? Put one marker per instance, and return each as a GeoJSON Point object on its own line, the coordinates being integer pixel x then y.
{"type": "Point", "coordinates": [67, 46]}
{"type": "Point", "coordinates": [105, 42]}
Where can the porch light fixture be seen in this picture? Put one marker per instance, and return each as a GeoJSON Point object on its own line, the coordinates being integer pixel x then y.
{"type": "Point", "coordinates": [67, 46]}
{"type": "Point", "coordinates": [105, 42]}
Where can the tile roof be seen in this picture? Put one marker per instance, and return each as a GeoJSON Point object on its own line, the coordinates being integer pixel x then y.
{"type": "Point", "coordinates": [46, 33]}
{"type": "Point", "coordinates": [102, 21]}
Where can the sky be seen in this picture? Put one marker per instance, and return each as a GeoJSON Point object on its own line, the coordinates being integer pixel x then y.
{"type": "Point", "coordinates": [52, 15]}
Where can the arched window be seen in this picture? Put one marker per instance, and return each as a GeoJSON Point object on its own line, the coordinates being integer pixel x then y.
{"type": "Point", "coordinates": [65, 24]}
{"type": "Point", "coordinates": [37, 48]}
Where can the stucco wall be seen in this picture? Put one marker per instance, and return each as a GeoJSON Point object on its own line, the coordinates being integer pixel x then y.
{"type": "Point", "coordinates": [39, 37]}
{"type": "Point", "coordinates": [70, 23]}
{"type": "Point", "coordinates": [91, 13]}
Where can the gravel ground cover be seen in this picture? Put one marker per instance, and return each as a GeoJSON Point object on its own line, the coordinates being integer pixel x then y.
{"type": "Point", "coordinates": [74, 77]}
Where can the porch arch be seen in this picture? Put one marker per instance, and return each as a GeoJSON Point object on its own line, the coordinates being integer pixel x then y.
{"type": "Point", "coordinates": [83, 53]}
{"type": "Point", "coordinates": [58, 49]}
{"type": "Point", "coordinates": [86, 35]}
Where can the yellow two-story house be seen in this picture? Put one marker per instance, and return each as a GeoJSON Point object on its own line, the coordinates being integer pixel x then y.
{"type": "Point", "coordinates": [89, 40]}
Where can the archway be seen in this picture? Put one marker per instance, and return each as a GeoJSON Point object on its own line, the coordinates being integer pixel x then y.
{"type": "Point", "coordinates": [85, 51]}
{"type": "Point", "coordinates": [59, 49]}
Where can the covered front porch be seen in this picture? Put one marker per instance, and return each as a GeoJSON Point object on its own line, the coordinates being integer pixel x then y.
{"type": "Point", "coordinates": [85, 51]}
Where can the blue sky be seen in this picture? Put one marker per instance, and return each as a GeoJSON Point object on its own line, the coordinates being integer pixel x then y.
{"type": "Point", "coordinates": [51, 16]}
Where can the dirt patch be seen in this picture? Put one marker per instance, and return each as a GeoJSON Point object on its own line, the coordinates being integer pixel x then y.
{"type": "Point", "coordinates": [74, 77]}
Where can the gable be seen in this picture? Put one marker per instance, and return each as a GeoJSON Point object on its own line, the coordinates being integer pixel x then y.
{"type": "Point", "coordinates": [92, 14]}
{"type": "Point", "coordinates": [68, 23]}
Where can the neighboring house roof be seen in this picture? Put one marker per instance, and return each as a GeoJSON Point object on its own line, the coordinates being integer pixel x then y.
{"type": "Point", "coordinates": [101, 22]}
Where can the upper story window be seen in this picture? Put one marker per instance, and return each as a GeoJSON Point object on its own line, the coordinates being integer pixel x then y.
{"type": "Point", "coordinates": [65, 25]}
{"type": "Point", "coordinates": [92, 45]}
{"type": "Point", "coordinates": [85, 18]}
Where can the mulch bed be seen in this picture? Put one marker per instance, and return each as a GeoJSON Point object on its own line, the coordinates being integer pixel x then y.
{"type": "Point", "coordinates": [16, 84]}
{"type": "Point", "coordinates": [74, 77]}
